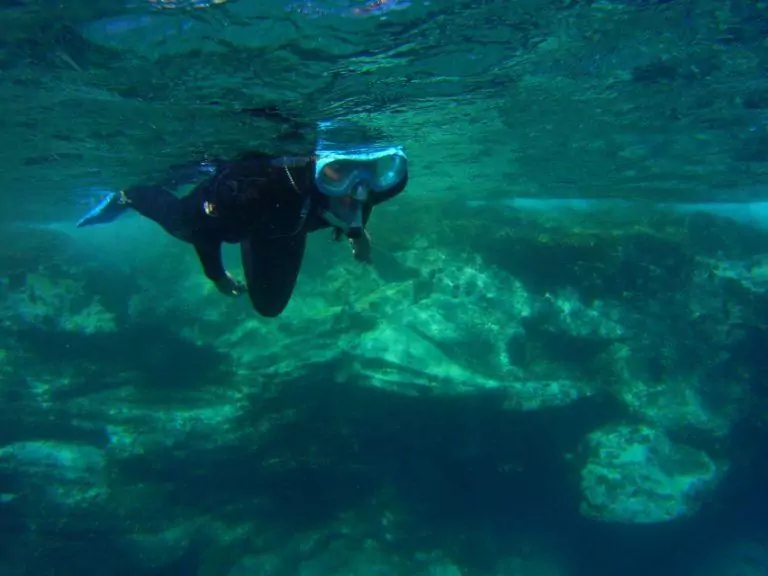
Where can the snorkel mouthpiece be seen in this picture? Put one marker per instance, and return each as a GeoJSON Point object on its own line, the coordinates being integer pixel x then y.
{"type": "Point", "coordinates": [360, 192]}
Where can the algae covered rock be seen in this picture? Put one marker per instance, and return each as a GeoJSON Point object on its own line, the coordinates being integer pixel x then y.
{"type": "Point", "coordinates": [61, 304]}
{"type": "Point", "coordinates": [54, 480]}
{"type": "Point", "coordinates": [742, 555]}
{"type": "Point", "coordinates": [637, 475]}
{"type": "Point", "coordinates": [461, 327]}
{"type": "Point", "coordinates": [659, 388]}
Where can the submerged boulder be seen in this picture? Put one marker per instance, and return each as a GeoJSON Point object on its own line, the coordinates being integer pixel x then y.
{"type": "Point", "coordinates": [637, 475]}
{"type": "Point", "coordinates": [55, 480]}
{"type": "Point", "coordinates": [460, 327]}
{"type": "Point", "coordinates": [740, 555]}
{"type": "Point", "coordinates": [55, 303]}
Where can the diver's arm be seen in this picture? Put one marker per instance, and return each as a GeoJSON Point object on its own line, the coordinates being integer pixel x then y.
{"type": "Point", "coordinates": [361, 243]}
{"type": "Point", "coordinates": [361, 247]}
{"type": "Point", "coordinates": [209, 253]}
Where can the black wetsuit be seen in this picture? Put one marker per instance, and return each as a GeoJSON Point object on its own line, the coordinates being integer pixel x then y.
{"type": "Point", "coordinates": [267, 210]}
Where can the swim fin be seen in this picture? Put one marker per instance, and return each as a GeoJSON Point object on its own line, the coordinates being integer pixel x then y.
{"type": "Point", "coordinates": [108, 210]}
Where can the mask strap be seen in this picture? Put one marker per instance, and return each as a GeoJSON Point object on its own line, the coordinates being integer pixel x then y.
{"type": "Point", "coordinates": [292, 161]}
{"type": "Point", "coordinates": [291, 180]}
{"type": "Point", "coordinates": [304, 207]}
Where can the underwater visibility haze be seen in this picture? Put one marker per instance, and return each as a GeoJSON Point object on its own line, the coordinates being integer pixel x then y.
{"type": "Point", "coordinates": [552, 364]}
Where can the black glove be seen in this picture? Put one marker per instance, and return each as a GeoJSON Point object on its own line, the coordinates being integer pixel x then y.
{"type": "Point", "coordinates": [230, 287]}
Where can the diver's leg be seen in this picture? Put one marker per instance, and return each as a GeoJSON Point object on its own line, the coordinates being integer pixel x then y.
{"type": "Point", "coordinates": [160, 206]}
{"type": "Point", "coordinates": [271, 267]}
{"type": "Point", "coordinates": [106, 211]}
{"type": "Point", "coordinates": [154, 202]}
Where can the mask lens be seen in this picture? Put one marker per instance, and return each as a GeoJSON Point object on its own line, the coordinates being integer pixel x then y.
{"type": "Point", "coordinates": [377, 171]}
{"type": "Point", "coordinates": [389, 170]}
{"type": "Point", "coordinates": [339, 176]}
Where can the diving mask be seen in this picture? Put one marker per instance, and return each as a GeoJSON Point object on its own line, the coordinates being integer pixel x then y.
{"type": "Point", "coordinates": [356, 172]}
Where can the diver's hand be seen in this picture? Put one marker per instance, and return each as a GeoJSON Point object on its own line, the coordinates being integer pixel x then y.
{"type": "Point", "coordinates": [361, 247]}
{"type": "Point", "coordinates": [229, 286]}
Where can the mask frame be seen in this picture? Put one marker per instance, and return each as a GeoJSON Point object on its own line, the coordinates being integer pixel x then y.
{"type": "Point", "coordinates": [378, 169]}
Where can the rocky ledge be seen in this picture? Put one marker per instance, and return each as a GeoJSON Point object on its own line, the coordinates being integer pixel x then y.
{"type": "Point", "coordinates": [622, 351]}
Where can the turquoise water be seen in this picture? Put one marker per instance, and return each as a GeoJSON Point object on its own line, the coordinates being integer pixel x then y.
{"type": "Point", "coordinates": [554, 366]}
{"type": "Point", "coordinates": [661, 100]}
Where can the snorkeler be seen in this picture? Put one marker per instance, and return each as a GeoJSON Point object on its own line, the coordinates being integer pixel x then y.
{"type": "Point", "coordinates": [268, 205]}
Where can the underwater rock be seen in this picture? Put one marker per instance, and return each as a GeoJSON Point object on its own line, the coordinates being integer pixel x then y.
{"type": "Point", "coordinates": [674, 406]}
{"type": "Point", "coordinates": [327, 552]}
{"type": "Point", "coordinates": [480, 329]}
{"type": "Point", "coordinates": [678, 405]}
{"type": "Point", "coordinates": [167, 548]}
{"type": "Point", "coordinates": [52, 303]}
{"type": "Point", "coordinates": [530, 565]}
{"type": "Point", "coordinates": [258, 565]}
{"type": "Point", "coordinates": [742, 556]}
{"type": "Point", "coordinates": [751, 275]}
{"type": "Point", "coordinates": [56, 480]}
{"type": "Point", "coordinates": [457, 327]}
{"type": "Point", "coordinates": [670, 391]}
{"type": "Point", "coordinates": [133, 429]}
{"type": "Point", "coordinates": [636, 475]}
{"type": "Point", "coordinates": [354, 560]}
{"type": "Point", "coordinates": [458, 337]}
